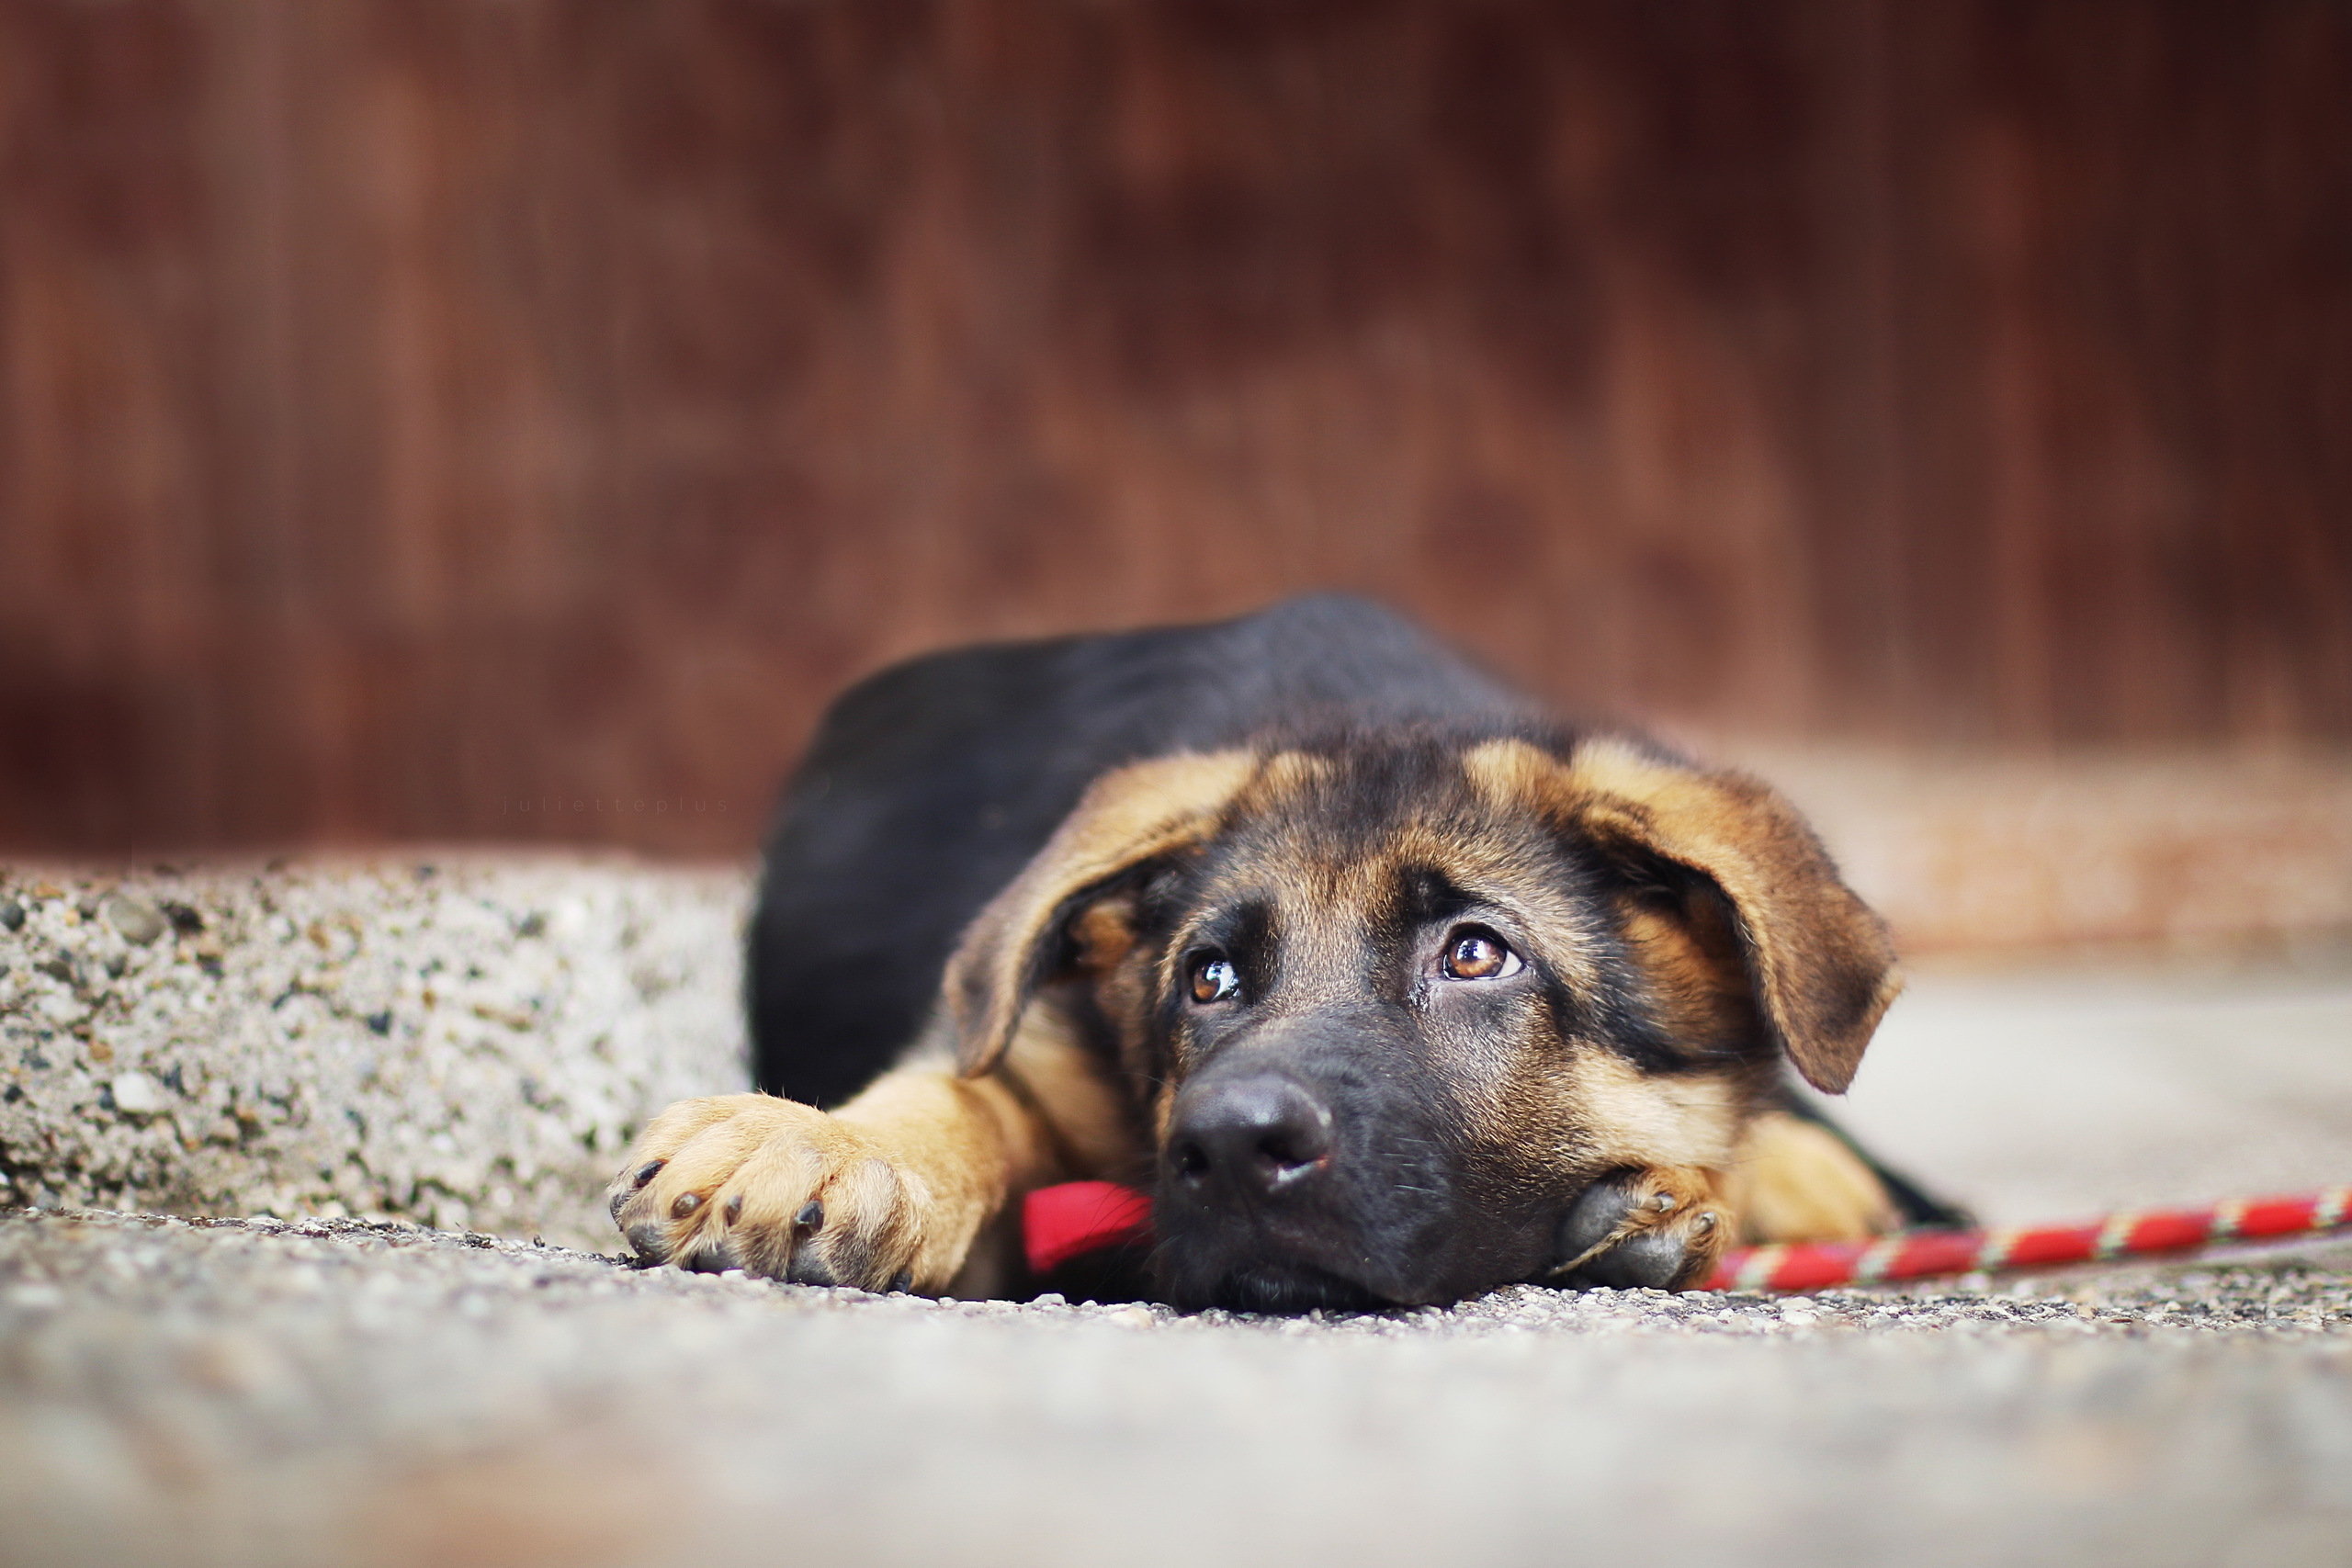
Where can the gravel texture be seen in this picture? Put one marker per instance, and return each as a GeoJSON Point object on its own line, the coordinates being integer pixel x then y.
{"type": "Point", "coordinates": [336, 1392]}
{"type": "Point", "coordinates": [467, 1043]}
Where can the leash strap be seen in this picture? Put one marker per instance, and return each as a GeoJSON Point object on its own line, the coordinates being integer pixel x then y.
{"type": "Point", "coordinates": [1924, 1255]}
{"type": "Point", "coordinates": [1077, 1218]}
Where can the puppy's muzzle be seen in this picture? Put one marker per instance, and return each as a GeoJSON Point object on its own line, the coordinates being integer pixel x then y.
{"type": "Point", "coordinates": [1290, 1177]}
{"type": "Point", "coordinates": [1240, 1141]}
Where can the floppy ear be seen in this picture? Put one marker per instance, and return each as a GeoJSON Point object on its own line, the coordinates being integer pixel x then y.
{"type": "Point", "coordinates": [1126, 818]}
{"type": "Point", "coordinates": [1818, 959]}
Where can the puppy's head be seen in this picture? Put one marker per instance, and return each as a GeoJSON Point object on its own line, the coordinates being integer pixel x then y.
{"type": "Point", "coordinates": [1394, 1002]}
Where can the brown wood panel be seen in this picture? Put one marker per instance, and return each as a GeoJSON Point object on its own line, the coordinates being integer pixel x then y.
{"type": "Point", "coordinates": [413, 408]}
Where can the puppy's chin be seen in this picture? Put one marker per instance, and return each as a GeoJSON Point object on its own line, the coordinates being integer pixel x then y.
{"type": "Point", "coordinates": [1282, 1288]}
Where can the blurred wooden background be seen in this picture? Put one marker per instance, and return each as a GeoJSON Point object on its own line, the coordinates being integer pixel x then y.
{"type": "Point", "coordinates": [411, 408]}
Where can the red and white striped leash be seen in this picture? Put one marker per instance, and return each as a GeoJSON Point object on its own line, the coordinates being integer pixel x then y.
{"type": "Point", "coordinates": [1926, 1254]}
{"type": "Point", "coordinates": [1070, 1220]}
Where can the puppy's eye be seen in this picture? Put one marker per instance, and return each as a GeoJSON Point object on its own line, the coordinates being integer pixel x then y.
{"type": "Point", "coordinates": [1473, 954]}
{"type": "Point", "coordinates": [1214, 979]}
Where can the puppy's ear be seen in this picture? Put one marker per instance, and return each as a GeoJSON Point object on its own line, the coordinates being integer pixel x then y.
{"type": "Point", "coordinates": [1818, 959]}
{"type": "Point", "coordinates": [1128, 816]}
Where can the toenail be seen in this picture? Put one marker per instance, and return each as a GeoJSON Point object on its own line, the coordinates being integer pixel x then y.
{"type": "Point", "coordinates": [735, 1208]}
{"type": "Point", "coordinates": [686, 1204]}
{"type": "Point", "coordinates": [709, 1260]}
{"type": "Point", "coordinates": [1703, 1223]}
{"type": "Point", "coordinates": [1663, 1202]}
{"type": "Point", "coordinates": [650, 1168]}
{"type": "Point", "coordinates": [902, 1284]}
{"type": "Point", "coordinates": [812, 1215]}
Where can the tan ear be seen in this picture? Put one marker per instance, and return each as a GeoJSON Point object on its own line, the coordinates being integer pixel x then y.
{"type": "Point", "coordinates": [1818, 958]}
{"type": "Point", "coordinates": [1126, 818]}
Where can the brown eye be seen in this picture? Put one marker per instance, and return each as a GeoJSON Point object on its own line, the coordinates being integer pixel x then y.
{"type": "Point", "coordinates": [1475, 955]}
{"type": "Point", "coordinates": [1215, 980]}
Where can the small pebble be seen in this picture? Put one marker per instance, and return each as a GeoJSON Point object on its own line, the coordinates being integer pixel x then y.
{"type": "Point", "coordinates": [138, 922]}
{"type": "Point", "coordinates": [137, 1094]}
{"type": "Point", "coordinates": [12, 915]}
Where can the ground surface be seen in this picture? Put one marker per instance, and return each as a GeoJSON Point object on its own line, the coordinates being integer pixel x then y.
{"type": "Point", "coordinates": [2071, 1086]}
{"type": "Point", "coordinates": [334, 1393]}
{"type": "Point", "coordinates": [324, 1390]}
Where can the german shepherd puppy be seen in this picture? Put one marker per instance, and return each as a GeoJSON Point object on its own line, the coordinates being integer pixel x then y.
{"type": "Point", "coordinates": [1391, 988]}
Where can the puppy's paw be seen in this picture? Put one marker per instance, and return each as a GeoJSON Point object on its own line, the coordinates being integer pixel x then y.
{"type": "Point", "coordinates": [776, 1188]}
{"type": "Point", "coordinates": [1659, 1228]}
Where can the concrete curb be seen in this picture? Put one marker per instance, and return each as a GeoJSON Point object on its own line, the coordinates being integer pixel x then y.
{"type": "Point", "coordinates": [464, 1040]}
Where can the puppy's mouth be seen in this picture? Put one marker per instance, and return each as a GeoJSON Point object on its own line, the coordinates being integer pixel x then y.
{"type": "Point", "coordinates": [1290, 1287]}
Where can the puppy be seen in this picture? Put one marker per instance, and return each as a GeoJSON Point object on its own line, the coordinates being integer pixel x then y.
{"type": "Point", "coordinates": [1391, 988]}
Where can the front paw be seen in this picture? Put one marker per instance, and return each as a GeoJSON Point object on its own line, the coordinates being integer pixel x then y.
{"type": "Point", "coordinates": [776, 1188]}
{"type": "Point", "coordinates": [1663, 1229]}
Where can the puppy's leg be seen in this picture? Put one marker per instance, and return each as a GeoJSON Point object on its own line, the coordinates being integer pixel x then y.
{"type": "Point", "coordinates": [1659, 1227]}
{"type": "Point", "coordinates": [887, 1192]}
{"type": "Point", "coordinates": [1796, 1180]}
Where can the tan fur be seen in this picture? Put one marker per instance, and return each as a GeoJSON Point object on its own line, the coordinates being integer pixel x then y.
{"type": "Point", "coordinates": [1087, 1114]}
{"type": "Point", "coordinates": [1794, 1180]}
{"type": "Point", "coordinates": [1126, 818]}
{"type": "Point", "coordinates": [1690, 954]}
{"type": "Point", "coordinates": [906, 1173]}
{"type": "Point", "coordinates": [1822, 966]}
{"type": "Point", "coordinates": [1635, 1119]}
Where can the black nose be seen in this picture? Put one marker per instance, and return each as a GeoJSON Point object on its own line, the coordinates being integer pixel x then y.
{"type": "Point", "coordinates": [1249, 1137]}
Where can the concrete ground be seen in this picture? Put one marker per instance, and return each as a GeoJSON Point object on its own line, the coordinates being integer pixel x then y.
{"type": "Point", "coordinates": [2041, 1089]}
{"type": "Point", "coordinates": [336, 1393]}
{"type": "Point", "coordinates": [341, 1389]}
